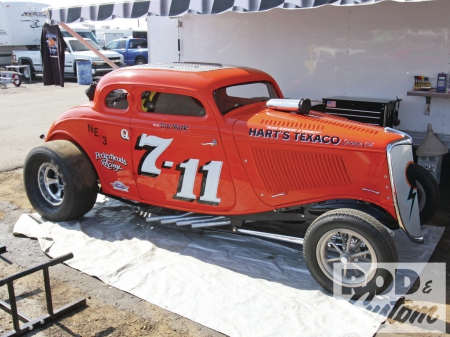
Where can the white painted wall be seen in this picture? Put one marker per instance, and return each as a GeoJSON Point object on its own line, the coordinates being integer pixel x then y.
{"type": "Point", "coordinates": [369, 51]}
{"type": "Point", "coordinates": [162, 37]}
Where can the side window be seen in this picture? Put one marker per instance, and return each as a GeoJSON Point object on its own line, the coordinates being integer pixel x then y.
{"type": "Point", "coordinates": [112, 45]}
{"type": "Point", "coordinates": [117, 99]}
{"type": "Point", "coordinates": [171, 104]}
{"type": "Point", "coordinates": [138, 44]}
{"type": "Point", "coordinates": [122, 44]}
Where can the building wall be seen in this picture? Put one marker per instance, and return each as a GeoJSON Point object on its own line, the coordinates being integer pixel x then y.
{"type": "Point", "coordinates": [369, 51]}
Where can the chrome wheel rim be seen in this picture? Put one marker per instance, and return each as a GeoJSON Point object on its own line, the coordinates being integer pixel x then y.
{"type": "Point", "coordinates": [51, 184]}
{"type": "Point", "coordinates": [26, 73]}
{"type": "Point", "coordinates": [352, 250]}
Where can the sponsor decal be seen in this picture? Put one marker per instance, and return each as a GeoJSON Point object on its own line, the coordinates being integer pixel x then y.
{"type": "Point", "coordinates": [351, 143]}
{"type": "Point", "coordinates": [117, 185]}
{"type": "Point", "coordinates": [304, 137]}
{"type": "Point", "coordinates": [110, 161]}
{"type": "Point", "coordinates": [171, 126]}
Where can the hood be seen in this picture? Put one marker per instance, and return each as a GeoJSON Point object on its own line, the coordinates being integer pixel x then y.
{"type": "Point", "coordinates": [312, 129]}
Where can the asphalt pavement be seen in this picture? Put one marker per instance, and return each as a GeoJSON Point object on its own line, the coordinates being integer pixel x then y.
{"type": "Point", "coordinates": [28, 111]}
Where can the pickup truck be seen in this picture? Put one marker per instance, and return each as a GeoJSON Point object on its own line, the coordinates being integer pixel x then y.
{"type": "Point", "coordinates": [134, 50]}
{"type": "Point", "coordinates": [75, 51]}
{"type": "Point", "coordinates": [221, 144]}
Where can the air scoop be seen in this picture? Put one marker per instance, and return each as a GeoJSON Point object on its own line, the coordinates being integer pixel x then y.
{"type": "Point", "coordinates": [300, 106]}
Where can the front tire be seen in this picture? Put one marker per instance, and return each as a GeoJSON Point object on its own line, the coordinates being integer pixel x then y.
{"type": "Point", "coordinates": [60, 181]}
{"type": "Point", "coordinates": [355, 239]}
{"type": "Point", "coordinates": [427, 193]}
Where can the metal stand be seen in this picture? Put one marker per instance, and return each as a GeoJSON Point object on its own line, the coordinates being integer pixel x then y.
{"type": "Point", "coordinates": [2, 249]}
{"type": "Point", "coordinates": [18, 67]}
{"type": "Point", "coordinates": [30, 324]}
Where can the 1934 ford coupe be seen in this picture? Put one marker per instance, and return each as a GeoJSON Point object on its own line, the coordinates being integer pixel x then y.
{"type": "Point", "coordinates": [221, 143]}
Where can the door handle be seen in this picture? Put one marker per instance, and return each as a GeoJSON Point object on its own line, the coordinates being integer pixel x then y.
{"type": "Point", "coordinates": [213, 143]}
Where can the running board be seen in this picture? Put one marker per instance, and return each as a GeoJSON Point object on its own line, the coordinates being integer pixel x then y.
{"type": "Point", "coordinates": [205, 221]}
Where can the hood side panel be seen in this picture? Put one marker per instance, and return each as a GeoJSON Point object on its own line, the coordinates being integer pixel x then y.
{"type": "Point", "coordinates": [275, 169]}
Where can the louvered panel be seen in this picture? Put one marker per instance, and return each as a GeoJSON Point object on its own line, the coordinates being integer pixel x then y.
{"type": "Point", "coordinates": [312, 122]}
{"type": "Point", "coordinates": [312, 170]}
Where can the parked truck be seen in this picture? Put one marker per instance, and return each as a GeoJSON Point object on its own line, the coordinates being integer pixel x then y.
{"type": "Point", "coordinates": [75, 52]}
{"type": "Point", "coordinates": [134, 51]}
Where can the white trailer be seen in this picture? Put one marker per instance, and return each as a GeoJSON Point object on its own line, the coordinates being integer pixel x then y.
{"type": "Point", "coordinates": [371, 51]}
{"type": "Point", "coordinates": [20, 26]}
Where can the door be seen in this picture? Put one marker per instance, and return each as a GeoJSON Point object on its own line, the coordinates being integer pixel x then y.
{"type": "Point", "coordinates": [178, 157]}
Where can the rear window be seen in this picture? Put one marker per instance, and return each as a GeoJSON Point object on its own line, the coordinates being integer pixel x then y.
{"type": "Point", "coordinates": [117, 99]}
{"type": "Point", "coordinates": [137, 44]}
{"type": "Point", "coordinates": [235, 96]}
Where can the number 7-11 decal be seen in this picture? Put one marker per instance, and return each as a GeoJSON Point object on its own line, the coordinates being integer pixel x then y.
{"type": "Point", "coordinates": [155, 146]}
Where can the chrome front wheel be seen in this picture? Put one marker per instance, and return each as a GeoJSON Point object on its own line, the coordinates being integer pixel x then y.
{"type": "Point", "coordinates": [356, 241]}
{"type": "Point", "coordinates": [352, 250]}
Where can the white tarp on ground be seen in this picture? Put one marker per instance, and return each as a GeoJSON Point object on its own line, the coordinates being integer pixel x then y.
{"type": "Point", "coordinates": [237, 285]}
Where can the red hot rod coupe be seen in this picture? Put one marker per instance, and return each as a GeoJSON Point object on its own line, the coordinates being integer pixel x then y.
{"type": "Point", "coordinates": [221, 143]}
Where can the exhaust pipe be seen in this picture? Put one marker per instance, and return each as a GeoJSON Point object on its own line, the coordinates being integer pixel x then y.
{"type": "Point", "coordinates": [225, 222]}
{"type": "Point", "coordinates": [285, 238]}
{"type": "Point", "coordinates": [185, 222]}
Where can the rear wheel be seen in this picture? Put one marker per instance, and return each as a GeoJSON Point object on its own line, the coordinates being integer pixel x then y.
{"type": "Point", "coordinates": [60, 181]}
{"type": "Point", "coordinates": [355, 239]}
{"type": "Point", "coordinates": [16, 80]}
{"type": "Point", "coordinates": [140, 61]}
{"type": "Point", "coordinates": [28, 72]}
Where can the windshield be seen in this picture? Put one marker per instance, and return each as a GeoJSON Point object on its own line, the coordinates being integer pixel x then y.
{"type": "Point", "coordinates": [78, 46]}
{"type": "Point", "coordinates": [235, 96]}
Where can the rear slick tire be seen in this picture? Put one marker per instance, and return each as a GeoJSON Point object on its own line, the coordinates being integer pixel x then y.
{"type": "Point", "coordinates": [358, 241]}
{"type": "Point", "coordinates": [60, 181]}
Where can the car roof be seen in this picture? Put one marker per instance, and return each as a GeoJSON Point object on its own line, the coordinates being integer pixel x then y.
{"type": "Point", "coordinates": [193, 76]}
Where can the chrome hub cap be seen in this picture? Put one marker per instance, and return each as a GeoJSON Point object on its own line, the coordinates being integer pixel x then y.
{"type": "Point", "coordinates": [51, 184]}
{"type": "Point", "coordinates": [345, 259]}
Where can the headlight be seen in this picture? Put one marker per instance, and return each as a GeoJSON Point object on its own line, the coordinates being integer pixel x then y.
{"type": "Point", "coordinates": [97, 61]}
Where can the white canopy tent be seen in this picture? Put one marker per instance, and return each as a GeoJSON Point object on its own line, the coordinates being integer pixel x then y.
{"type": "Point", "coordinates": [106, 10]}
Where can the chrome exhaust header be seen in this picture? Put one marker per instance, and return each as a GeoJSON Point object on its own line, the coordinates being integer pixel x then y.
{"type": "Point", "coordinates": [285, 238]}
{"type": "Point", "coordinates": [205, 221]}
